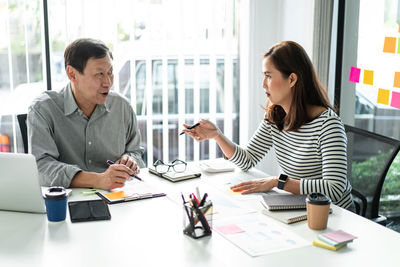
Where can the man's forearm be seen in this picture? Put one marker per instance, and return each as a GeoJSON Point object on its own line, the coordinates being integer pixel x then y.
{"type": "Point", "coordinates": [85, 179]}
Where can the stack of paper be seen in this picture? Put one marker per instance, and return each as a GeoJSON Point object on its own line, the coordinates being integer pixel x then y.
{"type": "Point", "coordinates": [334, 240]}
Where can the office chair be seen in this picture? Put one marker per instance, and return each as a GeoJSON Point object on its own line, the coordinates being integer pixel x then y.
{"type": "Point", "coordinates": [369, 156]}
{"type": "Point", "coordinates": [24, 130]}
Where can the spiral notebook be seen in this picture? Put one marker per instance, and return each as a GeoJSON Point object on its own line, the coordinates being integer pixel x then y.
{"type": "Point", "coordinates": [288, 216]}
{"type": "Point", "coordinates": [285, 202]}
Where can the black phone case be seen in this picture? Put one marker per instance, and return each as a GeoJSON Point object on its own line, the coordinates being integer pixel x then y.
{"type": "Point", "coordinates": [88, 210]}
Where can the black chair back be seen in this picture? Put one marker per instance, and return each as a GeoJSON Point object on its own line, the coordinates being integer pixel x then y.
{"type": "Point", "coordinates": [24, 130]}
{"type": "Point", "coordinates": [369, 157]}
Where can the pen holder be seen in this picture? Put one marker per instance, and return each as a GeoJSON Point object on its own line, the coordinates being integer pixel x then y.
{"type": "Point", "coordinates": [197, 221]}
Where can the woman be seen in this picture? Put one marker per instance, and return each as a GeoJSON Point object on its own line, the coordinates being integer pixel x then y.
{"type": "Point", "coordinates": [308, 136]}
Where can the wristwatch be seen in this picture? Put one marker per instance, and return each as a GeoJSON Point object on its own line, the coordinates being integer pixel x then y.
{"type": "Point", "coordinates": [282, 181]}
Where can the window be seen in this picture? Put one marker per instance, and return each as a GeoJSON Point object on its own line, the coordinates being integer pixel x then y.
{"type": "Point", "coordinates": [176, 62]}
{"type": "Point", "coordinates": [371, 81]}
{"type": "Point", "coordinates": [21, 66]}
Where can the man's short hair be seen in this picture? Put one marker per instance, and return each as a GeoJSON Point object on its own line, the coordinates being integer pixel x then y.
{"type": "Point", "coordinates": [79, 51]}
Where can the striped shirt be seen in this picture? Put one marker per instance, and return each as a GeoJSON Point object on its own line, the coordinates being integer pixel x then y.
{"type": "Point", "coordinates": [315, 154]}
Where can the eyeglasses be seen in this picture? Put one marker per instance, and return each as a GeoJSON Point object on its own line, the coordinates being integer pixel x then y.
{"type": "Point", "coordinates": [177, 165]}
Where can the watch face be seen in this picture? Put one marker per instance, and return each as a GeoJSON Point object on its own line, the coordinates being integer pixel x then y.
{"type": "Point", "coordinates": [283, 177]}
{"type": "Point", "coordinates": [282, 180]}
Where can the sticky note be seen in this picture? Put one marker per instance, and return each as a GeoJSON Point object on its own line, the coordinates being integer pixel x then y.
{"type": "Point", "coordinates": [398, 45]}
{"type": "Point", "coordinates": [389, 45]}
{"type": "Point", "coordinates": [399, 27]}
{"type": "Point", "coordinates": [229, 229]}
{"type": "Point", "coordinates": [383, 96]}
{"type": "Point", "coordinates": [116, 195]}
{"type": "Point", "coordinates": [231, 192]}
{"type": "Point", "coordinates": [369, 77]}
{"type": "Point", "coordinates": [395, 100]}
{"type": "Point", "coordinates": [396, 82]}
{"type": "Point", "coordinates": [354, 75]}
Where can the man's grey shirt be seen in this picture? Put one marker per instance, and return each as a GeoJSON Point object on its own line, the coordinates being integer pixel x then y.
{"type": "Point", "coordinates": [65, 141]}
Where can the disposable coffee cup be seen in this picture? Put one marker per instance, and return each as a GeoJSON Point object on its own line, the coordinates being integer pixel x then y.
{"type": "Point", "coordinates": [56, 203]}
{"type": "Point", "coordinates": [317, 210]}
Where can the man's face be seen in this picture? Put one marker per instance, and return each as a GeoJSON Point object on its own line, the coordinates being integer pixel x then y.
{"type": "Point", "coordinates": [92, 86]}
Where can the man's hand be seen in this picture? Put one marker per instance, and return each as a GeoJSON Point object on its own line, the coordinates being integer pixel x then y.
{"type": "Point", "coordinates": [129, 162]}
{"type": "Point", "coordinates": [115, 176]}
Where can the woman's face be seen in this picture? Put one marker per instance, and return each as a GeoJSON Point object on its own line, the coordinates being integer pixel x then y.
{"type": "Point", "coordinates": [277, 88]}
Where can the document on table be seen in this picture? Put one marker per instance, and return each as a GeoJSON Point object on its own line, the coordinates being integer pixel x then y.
{"type": "Point", "coordinates": [133, 190]}
{"type": "Point", "coordinates": [223, 205]}
{"type": "Point", "coordinates": [258, 235]}
{"type": "Point", "coordinates": [225, 180]}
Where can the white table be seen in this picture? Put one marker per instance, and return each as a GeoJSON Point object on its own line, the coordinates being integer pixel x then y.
{"type": "Point", "coordinates": [149, 233]}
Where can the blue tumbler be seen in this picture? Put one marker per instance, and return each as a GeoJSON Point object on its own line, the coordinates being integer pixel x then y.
{"type": "Point", "coordinates": [56, 203]}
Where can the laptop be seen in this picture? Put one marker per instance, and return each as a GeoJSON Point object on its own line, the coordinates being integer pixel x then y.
{"type": "Point", "coordinates": [19, 184]}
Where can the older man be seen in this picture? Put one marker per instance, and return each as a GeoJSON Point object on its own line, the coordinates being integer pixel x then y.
{"type": "Point", "coordinates": [74, 132]}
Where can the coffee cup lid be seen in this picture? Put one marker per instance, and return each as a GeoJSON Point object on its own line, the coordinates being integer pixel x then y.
{"type": "Point", "coordinates": [318, 199]}
{"type": "Point", "coordinates": [55, 192]}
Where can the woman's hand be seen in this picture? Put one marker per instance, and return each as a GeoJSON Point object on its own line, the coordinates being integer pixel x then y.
{"type": "Point", "coordinates": [206, 130]}
{"type": "Point", "coordinates": [256, 186]}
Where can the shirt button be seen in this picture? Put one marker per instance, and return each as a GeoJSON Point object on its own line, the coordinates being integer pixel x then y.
{"type": "Point", "coordinates": [90, 161]}
{"type": "Point", "coordinates": [89, 143]}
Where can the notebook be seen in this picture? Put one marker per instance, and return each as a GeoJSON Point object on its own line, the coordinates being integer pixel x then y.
{"type": "Point", "coordinates": [19, 183]}
{"type": "Point", "coordinates": [288, 216]}
{"type": "Point", "coordinates": [133, 190]}
{"type": "Point", "coordinates": [176, 176]}
{"type": "Point", "coordinates": [285, 202]}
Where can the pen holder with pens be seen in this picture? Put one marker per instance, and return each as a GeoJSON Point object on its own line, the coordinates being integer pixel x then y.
{"type": "Point", "coordinates": [197, 220]}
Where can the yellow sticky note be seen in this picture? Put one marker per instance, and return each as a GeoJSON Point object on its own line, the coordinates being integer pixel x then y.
{"type": "Point", "coordinates": [389, 45]}
{"type": "Point", "coordinates": [231, 192]}
{"type": "Point", "coordinates": [369, 77]}
{"type": "Point", "coordinates": [116, 195]}
{"type": "Point", "coordinates": [383, 96]}
{"type": "Point", "coordinates": [396, 82]}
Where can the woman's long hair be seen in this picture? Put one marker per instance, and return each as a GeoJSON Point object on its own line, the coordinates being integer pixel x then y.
{"type": "Point", "coordinates": [289, 57]}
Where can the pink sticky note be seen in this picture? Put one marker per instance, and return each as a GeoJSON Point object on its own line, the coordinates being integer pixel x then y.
{"type": "Point", "coordinates": [229, 229]}
{"type": "Point", "coordinates": [395, 100]}
{"type": "Point", "coordinates": [339, 236]}
{"type": "Point", "coordinates": [354, 75]}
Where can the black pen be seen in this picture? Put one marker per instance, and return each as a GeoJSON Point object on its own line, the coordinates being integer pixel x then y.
{"type": "Point", "coordinates": [203, 200]}
{"type": "Point", "coordinates": [191, 127]}
{"type": "Point", "coordinates": [110, 162]}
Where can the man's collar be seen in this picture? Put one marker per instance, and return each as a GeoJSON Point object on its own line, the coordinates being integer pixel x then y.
{"type": "Point", "coordinates": [69, 101]}
{"type": "Point", "coordinates": [70, 105]}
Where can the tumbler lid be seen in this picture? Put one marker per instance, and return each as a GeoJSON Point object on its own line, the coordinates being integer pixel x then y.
{"type": "Point", "coordinates": [55, 193]}
{"type": "Point", "coordinates": [318, 199]}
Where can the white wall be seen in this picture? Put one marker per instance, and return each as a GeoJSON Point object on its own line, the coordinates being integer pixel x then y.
{"type": "Point", "coordinates": [268, 22]}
